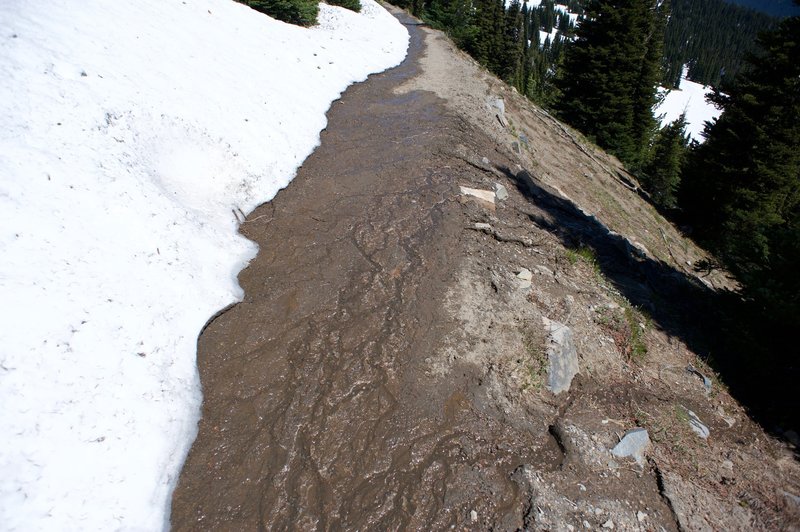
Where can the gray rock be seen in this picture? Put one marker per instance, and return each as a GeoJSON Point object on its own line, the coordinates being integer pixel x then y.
{"type": "Point", "coordinates": [523, 138]}
{"type": "Point", "coordinates": [480, 226]}
{"type": "Point", "coordinates": [499, 104]}
{"type": "Point", "coordinates": [706, 381]}
{"type": "Point", "coordinates": [544, 270]}
{"type": "Point", "coordinates": [633, 445]}
{"type": "Point", "coordinates": [562, 356]}
{"type": "Point", "coordinates": [516, 147]}
{"type": "Point", "coordinates": [485, 160]}
{"type": "Point", "coordinates": [792, 499]}
{"type": "Point", "coordinates": [500, 192]}
{"type": "Point", "coordinates": [697, 426]}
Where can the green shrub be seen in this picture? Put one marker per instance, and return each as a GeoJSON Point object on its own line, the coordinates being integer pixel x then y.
{"type": "Point", "coordinates": [300, 12]}
{"type": "Point", "coordinates": [352, 5]}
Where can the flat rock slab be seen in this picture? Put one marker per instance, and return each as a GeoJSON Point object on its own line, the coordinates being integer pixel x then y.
{"type": "Point", "coordinates": [697, 426]}
{"type": "Point", "coordinates": [483, 195]}
{"type": "Point", "coordinates": [562, 356]}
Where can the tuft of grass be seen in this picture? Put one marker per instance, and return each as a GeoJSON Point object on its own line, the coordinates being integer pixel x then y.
{"type": "Point", "coordinates": [627, 326]}
{"type": "Point", "coordinates": [584, 254]}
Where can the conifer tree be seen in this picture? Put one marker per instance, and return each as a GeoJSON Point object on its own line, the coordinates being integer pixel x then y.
{"type": "Point", "coordinates": [511, 49]}
{"type": "Point", "coordinates": [300, 12]}
{"type": "Point", "coordinates": [663, 173]}
{"type": "Point", "coordinates": [457, 19]}
{"type": "Point", "coordinates": [742, 186]}
{"type": "Point", "coordinates": [653, 20]}
{"type": "Point", "coordinates": [605, 81]}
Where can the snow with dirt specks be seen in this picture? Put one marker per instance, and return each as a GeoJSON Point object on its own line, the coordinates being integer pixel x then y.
{"type": "Point", "coordinates": [130, 133]}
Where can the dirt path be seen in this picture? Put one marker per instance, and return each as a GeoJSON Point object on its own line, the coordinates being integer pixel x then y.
{"type": "Point", "coordinates": [386, 368]}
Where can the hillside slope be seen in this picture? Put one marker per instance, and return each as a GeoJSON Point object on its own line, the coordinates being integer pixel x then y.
{"type": "Point", "coordinates": [470, 308]}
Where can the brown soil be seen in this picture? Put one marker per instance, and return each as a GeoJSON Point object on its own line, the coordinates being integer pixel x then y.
{"type": "Point", "coordinates": [386, 371]}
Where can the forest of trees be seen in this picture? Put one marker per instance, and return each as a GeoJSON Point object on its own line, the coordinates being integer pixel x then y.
{"type": "Point", "coordinates": [741, 188]}
{"type": "Point", "coordinates": [713, 37]}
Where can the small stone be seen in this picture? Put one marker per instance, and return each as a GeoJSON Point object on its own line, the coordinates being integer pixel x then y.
{"type": "Point", "coordinates": [586, 524]}
{"type": "Point", "coordinates": [641, 516]}
{"type": "Point", "coordinates": [500, 192]}
{"type": "Point", "coordinates": [480, 226]}
{"type": "Point", "coordinates": [473, 516]}
{"type": "Point", "coordinates": [525, 274]}
{"type": "Point", "coordinates": [598, 511]}
{"type": "Point", "coordinates": [633, 445]}
{"type": "Point", "coordinates": [609, 524]}
{"type": "Point", "coordinates": [570, 528]}
{"type": "Point", "coordinates": [515, 147]}
{"type": "Point", "coordinates": [544, 270]}
{"type": "Point", "coordinates": [485, 160]}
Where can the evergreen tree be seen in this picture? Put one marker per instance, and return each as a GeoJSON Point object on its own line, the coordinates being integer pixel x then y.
{"type": "Point", "coordinates": [352, 5]}
{"type": "Point", "coordinates": [607, 80]}
{"type": "Point", "coordinates": [511, 48]}
{"type": "Point", "coordinates": [300, 12]}
{"type": "Point", "coordinates": [663, 173]}
{"type": "Point", "coordinates": [742, 189]}
{"type": "Point", "coordinates": [713, 37]}
{"type": "Point", "coordinates": [457, 19]}
{"type": "Point", "coordinates": [644, 126]}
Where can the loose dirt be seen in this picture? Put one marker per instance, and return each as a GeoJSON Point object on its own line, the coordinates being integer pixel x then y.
{"type": "Point", "coordinates": [387, 368]}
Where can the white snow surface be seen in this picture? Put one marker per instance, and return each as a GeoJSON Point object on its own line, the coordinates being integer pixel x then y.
{"type": "Point", "coordinates": [129, 132]}
{"type": "Point", "coordinates": [690, 98]}
{"type": "Point", "coordinates": [543, 36]}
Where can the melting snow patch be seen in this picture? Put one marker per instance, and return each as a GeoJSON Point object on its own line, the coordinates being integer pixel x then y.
{"type": "Point", "coordinates": [130, 131]}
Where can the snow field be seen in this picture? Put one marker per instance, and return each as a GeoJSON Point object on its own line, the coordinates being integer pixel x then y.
{"type": "Point", "coordinates": [690, 98]}
{"type": "Point", "coordinates": [130, 132]}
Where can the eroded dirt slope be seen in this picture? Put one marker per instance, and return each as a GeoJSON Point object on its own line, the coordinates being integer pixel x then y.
{"type": "Point", "coordinates": [388, 368]}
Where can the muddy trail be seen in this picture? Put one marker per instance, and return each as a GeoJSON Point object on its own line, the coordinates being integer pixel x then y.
{"type": "Point", "coordinates": [317, 412]}
{"type": "Point", "coordinates": [388, 366]}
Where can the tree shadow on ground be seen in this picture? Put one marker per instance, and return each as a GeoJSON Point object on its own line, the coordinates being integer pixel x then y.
{"type": "Point", "coordinates": [719, 326]}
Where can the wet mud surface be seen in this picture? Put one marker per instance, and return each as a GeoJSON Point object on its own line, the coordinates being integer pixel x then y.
{"type": "Point", "coordinates": [317, 409]}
